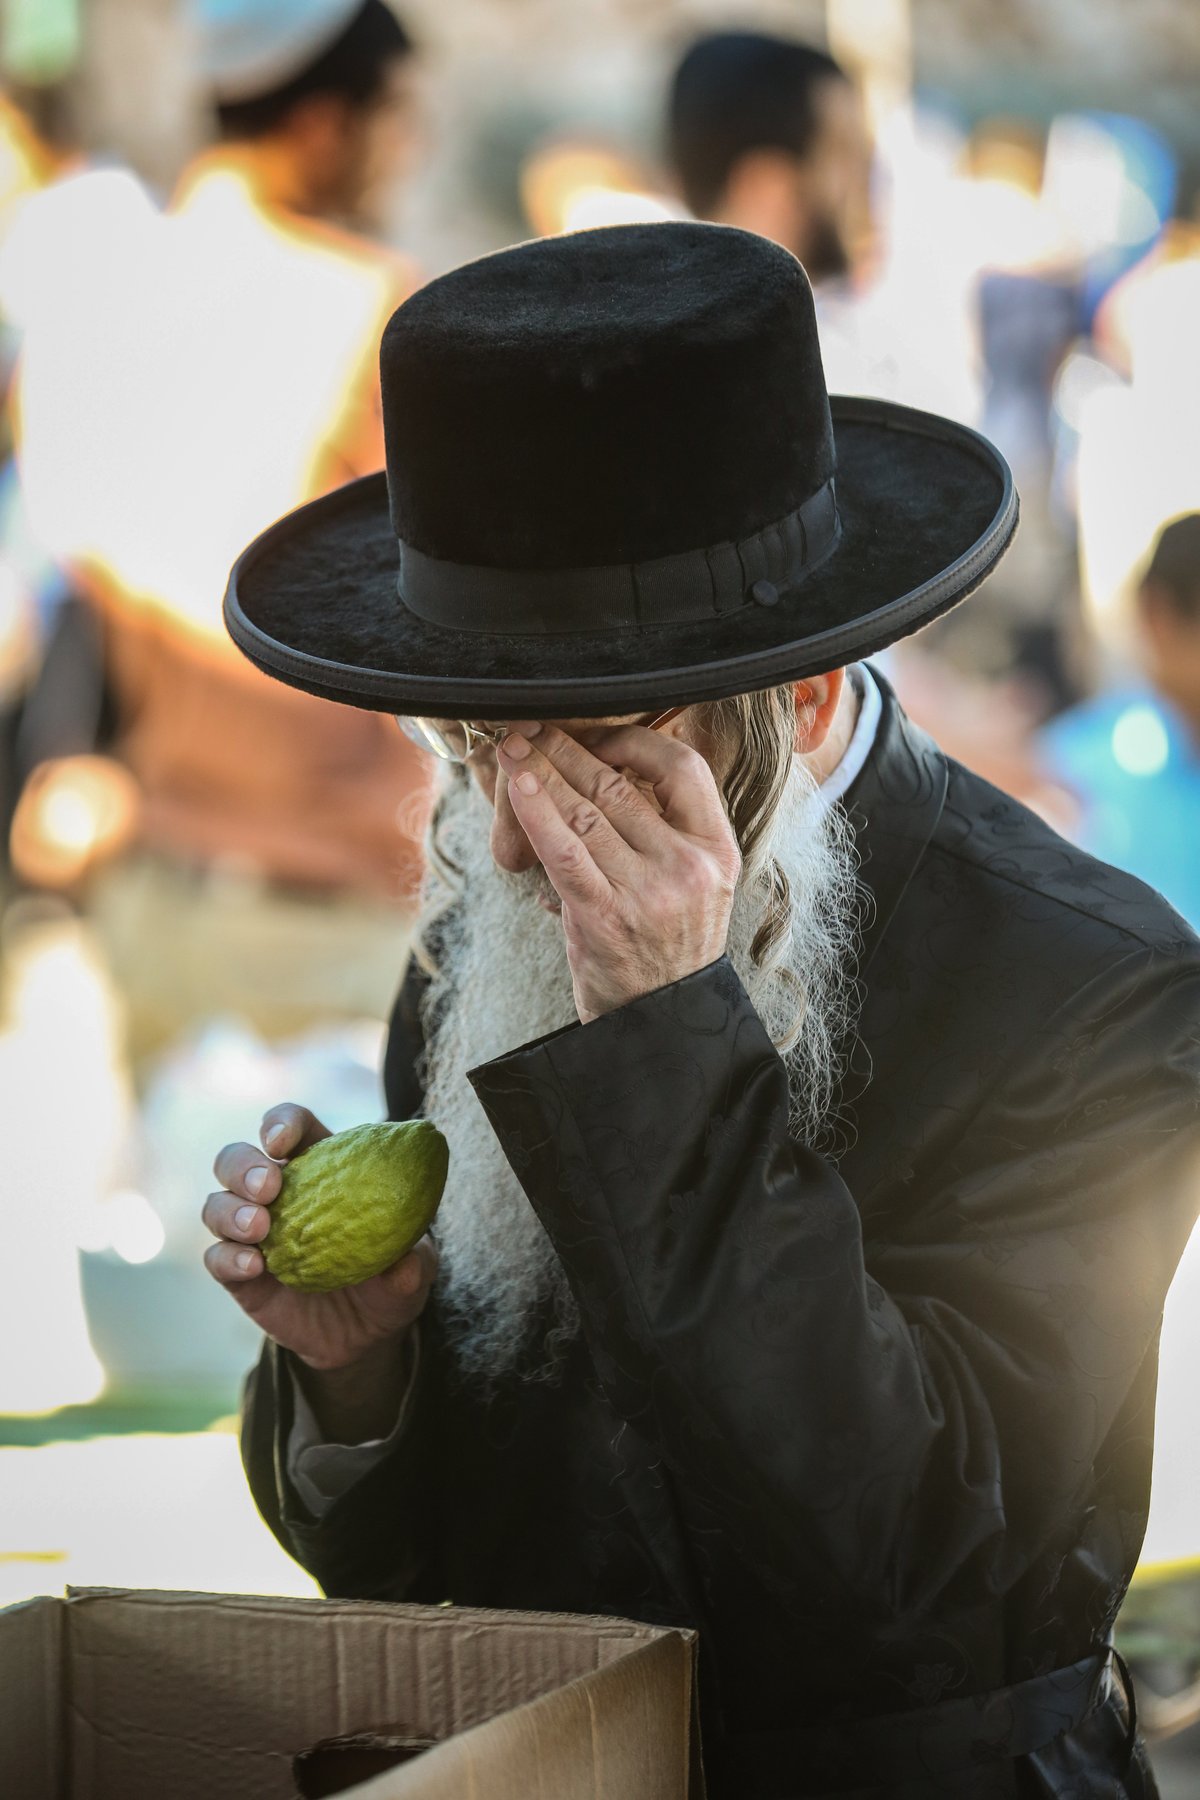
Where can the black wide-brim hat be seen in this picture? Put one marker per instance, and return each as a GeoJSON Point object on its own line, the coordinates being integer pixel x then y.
{"type": "Point", "coordinates": [615, 481]}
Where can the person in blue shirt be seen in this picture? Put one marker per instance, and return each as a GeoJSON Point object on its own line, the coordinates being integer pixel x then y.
{"type": "Point", "coordinates": [1131, 756]}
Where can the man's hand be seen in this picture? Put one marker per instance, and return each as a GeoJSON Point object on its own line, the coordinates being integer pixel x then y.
{"type": "Point", "coordinates": [329, 1332]}
{"type": "Point", "coordinates": [646, 888]}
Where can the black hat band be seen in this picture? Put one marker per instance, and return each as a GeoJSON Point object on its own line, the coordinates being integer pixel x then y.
{"type": "Point", "coordinates": [690, 587]}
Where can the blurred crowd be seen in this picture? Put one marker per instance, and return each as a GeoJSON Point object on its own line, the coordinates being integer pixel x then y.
{"type": "Point", "coordinates": [228, 866]}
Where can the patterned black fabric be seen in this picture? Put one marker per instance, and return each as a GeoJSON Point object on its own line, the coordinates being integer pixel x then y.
{"type": "Point", "coordinates": [880, 1430]}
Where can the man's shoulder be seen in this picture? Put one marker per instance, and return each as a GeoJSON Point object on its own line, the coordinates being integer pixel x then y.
{"type": "Point", "coordinates": [1038, 882]}
{"type": "Point", "coordinates": [1021, 982]}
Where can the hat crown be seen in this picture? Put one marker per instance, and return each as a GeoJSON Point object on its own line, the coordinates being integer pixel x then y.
{"type": "Point", "coordinates": [609, 397]}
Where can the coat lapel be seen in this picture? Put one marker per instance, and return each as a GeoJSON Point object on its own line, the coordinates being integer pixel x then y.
{"type": "Point", "coordinates": [894, 805]}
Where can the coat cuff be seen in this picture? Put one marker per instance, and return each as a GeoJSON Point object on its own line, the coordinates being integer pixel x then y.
{"type": "Point", "coordinates": [320, 1470]}
{"type": "Point", "coordinates": [608, 1125]}
{"type": "Point", "coordinates": [694, 1003]}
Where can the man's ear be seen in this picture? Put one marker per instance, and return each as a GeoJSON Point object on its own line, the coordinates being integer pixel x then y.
{"type": "Point", "coordinates": [817, 700]}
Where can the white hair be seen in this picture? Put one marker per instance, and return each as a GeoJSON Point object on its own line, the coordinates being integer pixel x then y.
{"type": "Point", "coordinates": [500, 978]}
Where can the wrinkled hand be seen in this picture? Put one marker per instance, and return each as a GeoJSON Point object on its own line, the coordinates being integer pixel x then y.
{"type": "Point", "coordinates": [646, 884]}
{"type": "Point", "coordinates": [327, 1331]}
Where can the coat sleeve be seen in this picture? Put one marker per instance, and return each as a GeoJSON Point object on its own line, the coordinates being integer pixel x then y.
{"type": "Point", "coordinates": [373, 1542]}
{"type": "Point", "coordinates": [881, 1422]}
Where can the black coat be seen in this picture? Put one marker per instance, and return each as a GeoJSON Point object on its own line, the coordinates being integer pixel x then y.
{"type": "Point", "coordinates": [881, 1431]}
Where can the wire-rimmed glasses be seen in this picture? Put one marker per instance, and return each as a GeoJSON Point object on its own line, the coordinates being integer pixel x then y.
{"type": "Point", "coordinates": [455, 740]}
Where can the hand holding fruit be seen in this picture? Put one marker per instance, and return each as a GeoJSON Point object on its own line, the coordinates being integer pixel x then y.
{"type": "Point", "coordinates": [335, 1327]}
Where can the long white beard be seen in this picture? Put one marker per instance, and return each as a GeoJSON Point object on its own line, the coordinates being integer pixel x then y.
{"type": "Point", "coordinates": [504, 980]}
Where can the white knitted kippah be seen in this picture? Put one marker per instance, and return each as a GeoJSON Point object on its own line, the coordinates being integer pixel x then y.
{"type": "Point", "coordinates": [250, 47]}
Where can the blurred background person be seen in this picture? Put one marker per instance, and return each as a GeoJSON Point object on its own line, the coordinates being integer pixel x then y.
{"type": "Point", "coordinates": [315, 104]}
{"type": "Point", "coordinates": [770, 135]}
{"type": "Point", "coordinates": [1130, 756]}
{"type": "Point", "coordinates": [215, 367]}
{"type": "Point", "coordinates": [773, 135]}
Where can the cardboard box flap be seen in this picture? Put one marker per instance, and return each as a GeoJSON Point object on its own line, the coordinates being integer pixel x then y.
{"type": "Point", "coordinates": [620, 1733]}
{"type": "Point", "coordinates": [31, 1700]}
{"type": "Point", "coordinates": [237, 1687]}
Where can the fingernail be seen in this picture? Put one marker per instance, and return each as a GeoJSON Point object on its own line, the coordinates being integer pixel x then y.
{"type": "Point", "coordinates": [527, 727]}
{"type": "Point", "coordinates": [244, 1217]}
{"type": "Point", "coordinates": [255, 1179]}
{"type": "Point", "coordinates": [272, 1137]}
{"type": "Point", "coordinates": [244, 1259]}
{"type": "Point", "coordinates": [515, 746]}
{"type": "Point", "coordinates": [527, 783]}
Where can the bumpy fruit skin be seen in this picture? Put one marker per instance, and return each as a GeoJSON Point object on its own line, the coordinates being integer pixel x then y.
{"type": "Point", "coordinates": [355, 1203]}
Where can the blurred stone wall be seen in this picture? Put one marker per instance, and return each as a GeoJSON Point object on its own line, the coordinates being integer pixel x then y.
{"type": "Point", "coordinates": [1045, 56]}
{"type": "Point", "coordinates": [134, 97]}
{"type": "Point", "coordinates": [503, 69]}
{"type": "Point", "coordinates": [500, 74]}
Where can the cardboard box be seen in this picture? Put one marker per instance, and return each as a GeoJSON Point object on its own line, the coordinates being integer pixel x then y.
{"type": "Point", "coordinates": [111, 1694]}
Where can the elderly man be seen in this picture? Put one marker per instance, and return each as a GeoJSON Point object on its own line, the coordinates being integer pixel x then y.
{"type": "Point", "coordinates": [819, 1122]}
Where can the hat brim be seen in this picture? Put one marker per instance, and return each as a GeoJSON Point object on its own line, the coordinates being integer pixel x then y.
{"type": "Point", "coordinates": [927, 509]}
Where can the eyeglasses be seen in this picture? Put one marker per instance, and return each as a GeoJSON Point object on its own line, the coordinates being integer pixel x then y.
{"type": "Point", "coordinates": [454, 740]}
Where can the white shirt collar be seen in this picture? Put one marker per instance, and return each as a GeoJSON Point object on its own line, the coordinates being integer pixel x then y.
{"type": "Point", "coordinates": [866, 727]}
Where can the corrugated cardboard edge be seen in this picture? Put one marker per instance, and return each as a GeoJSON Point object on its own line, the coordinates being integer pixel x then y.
{"type": "Point", "coordinates": [613, 1639]}
{"type": "Point", "coordinates": [622, 1733]}
{"type": "Point", "coordinates": [603, 1625]}
{"type": "Point", "coordinates": [616, 1641]}
{"type": "Point", "coordinates": [32, 1700]}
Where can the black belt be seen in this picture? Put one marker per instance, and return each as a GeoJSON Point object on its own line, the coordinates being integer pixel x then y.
{"type": "Point", "coordinates": [939, 1745]}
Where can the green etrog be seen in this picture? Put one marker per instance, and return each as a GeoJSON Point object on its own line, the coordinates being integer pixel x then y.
{"type": "Point", "coordinates": [355, 1203]}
